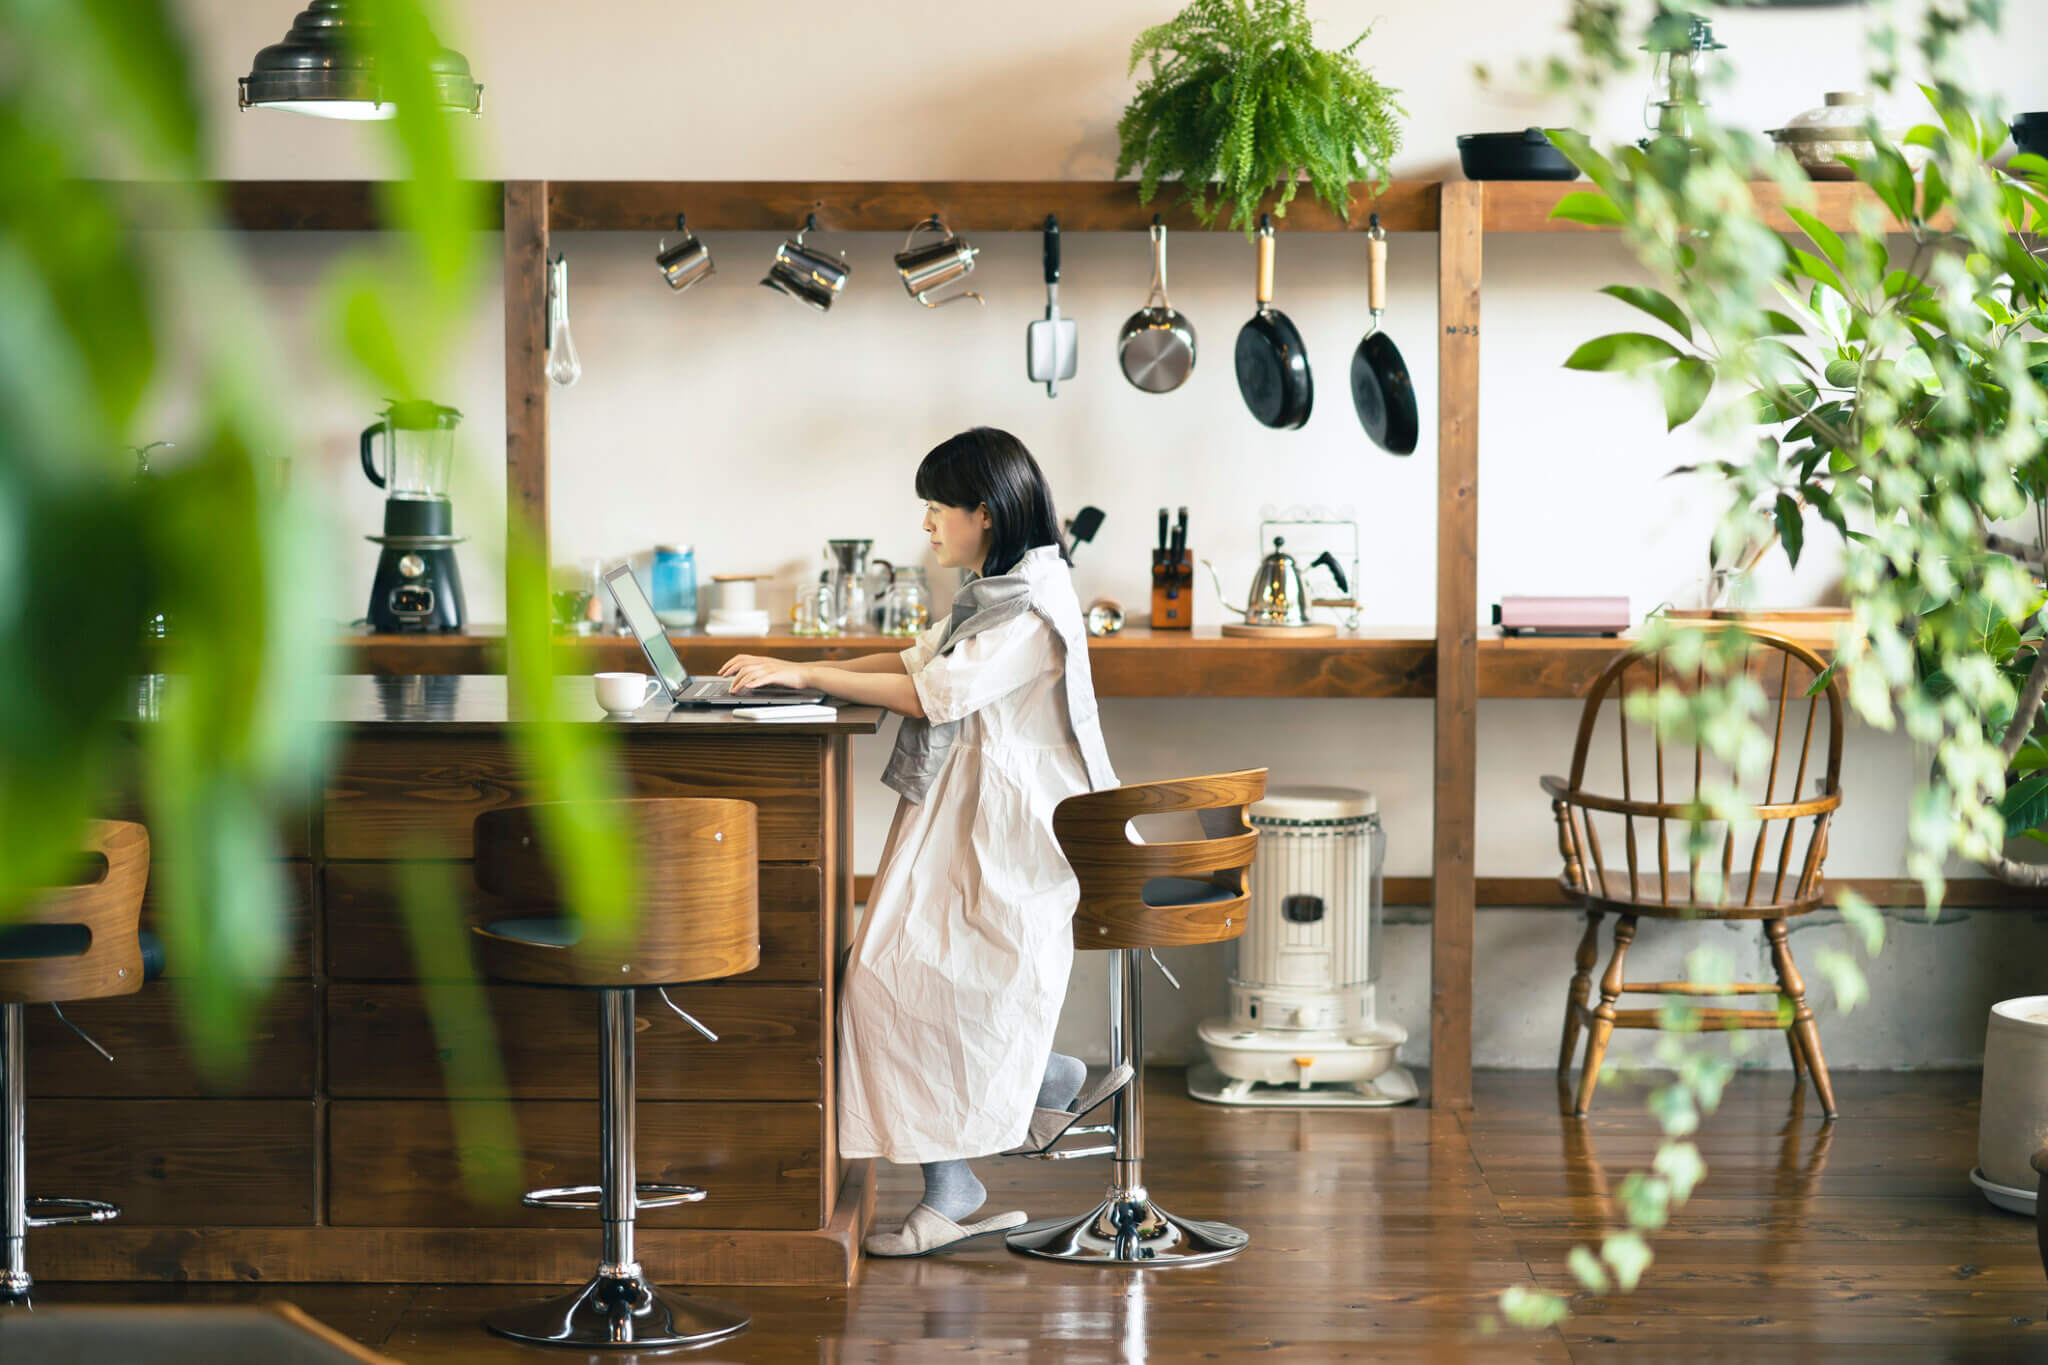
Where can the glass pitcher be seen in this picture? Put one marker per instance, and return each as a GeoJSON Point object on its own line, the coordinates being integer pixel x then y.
{"type": "Point", "coordinates": [849, 572]}
{"type": "Point", "coordinates": [410, 453]}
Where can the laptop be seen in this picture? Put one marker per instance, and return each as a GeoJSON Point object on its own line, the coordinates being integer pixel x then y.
{"type": "Point", "coordinates": [682, 689]}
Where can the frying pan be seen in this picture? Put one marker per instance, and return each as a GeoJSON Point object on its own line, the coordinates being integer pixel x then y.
{"type": "Point", "coordinates": [1380, 387]}
{"type": "Point", "coordinates": [1157, 345]}
{"type": "Point", "coordinates": [1272, 362]}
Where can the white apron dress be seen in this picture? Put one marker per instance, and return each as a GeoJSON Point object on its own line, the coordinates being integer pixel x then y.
{"type": "Point", "coordinates": [955, 978]}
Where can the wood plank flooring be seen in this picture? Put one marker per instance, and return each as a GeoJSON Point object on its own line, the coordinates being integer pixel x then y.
{"type": "Point", "coordinates": [1385, 1235]}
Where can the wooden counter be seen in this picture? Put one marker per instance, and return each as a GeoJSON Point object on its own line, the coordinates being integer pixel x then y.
{"type": "Point", "coordinates": [1377, 661]}
{"type": "Point", "coordinates": [338, 1160]}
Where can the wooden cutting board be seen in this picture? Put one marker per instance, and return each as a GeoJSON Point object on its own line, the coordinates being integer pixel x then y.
{"type": "Point", "coordinates": [1314, 630]}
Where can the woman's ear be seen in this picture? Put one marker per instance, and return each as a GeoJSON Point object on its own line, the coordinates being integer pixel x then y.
{"type": "Point", "coordinates": [987, 522]}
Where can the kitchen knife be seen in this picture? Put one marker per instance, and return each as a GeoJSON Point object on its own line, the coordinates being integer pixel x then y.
{"type": "Point", "coordinates": [1162, 530]}
{"type": "Point", "coordinates": [1173, 552]}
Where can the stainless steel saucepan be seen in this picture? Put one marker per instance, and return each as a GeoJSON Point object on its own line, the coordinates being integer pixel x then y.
{"type": "Point", "coordinates": [1157, 345]}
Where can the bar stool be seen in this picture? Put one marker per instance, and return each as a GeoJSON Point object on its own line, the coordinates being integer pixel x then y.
{"type": "Point", "coordinates": [697, 919]}
{"type": "Point", "coordinates": [77, 942]}
{"type": "Point", "coordinates": [1135, 898]}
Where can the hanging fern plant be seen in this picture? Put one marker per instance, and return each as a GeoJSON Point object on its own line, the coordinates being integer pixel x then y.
{"type": "Point", "coordinates": [1241, 99]}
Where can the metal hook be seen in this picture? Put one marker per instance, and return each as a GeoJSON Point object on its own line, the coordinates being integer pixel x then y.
{"type": "Point", "coordinates": [1173, 980]}
{"type": "Point", "coordinates": [81, 1033]}
{"type": "Point", "coordinates": [681, 226]}
{"type": "Point", "coordinates": [662, 991]}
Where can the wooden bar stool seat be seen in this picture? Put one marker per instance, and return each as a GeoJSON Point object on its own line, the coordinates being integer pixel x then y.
{"type": "Point", "coordinates": [697, 918]}
{"type": "Point", "coordinates": [1770, 879]}
{"type": "Point", "coordinates": [82, 941]}
{"type": "Point", "coordinates": [1136, 897]}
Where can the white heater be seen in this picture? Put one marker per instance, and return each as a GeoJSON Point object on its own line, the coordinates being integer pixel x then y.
{"type": "Point", "coordinates": [1302, 1028]}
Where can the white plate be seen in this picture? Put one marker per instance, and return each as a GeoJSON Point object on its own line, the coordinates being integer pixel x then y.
{"type": "Point", "coordinates": [2007, 1197]}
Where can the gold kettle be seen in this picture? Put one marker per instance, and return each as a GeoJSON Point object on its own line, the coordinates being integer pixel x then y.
{"type": "Point", "coordinates": [1279, 595]}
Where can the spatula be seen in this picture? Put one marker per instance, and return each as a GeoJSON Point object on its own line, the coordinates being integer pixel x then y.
{"type": "Point", "coordinates": [1049, 344]}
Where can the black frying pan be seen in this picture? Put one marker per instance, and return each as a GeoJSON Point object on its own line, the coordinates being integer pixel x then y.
{"type": "Point", "coordinates": [1272, 362]}
{"type": "Point", "coordinates": [1380, 387]}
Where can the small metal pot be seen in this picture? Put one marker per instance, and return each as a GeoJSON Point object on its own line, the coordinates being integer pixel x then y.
{"type": "Point", "coordinates": [935, 265]}
{"type": "Point", "coordinates": [805, 274]}
{"type": "Point", "coordinates": [685, 263]}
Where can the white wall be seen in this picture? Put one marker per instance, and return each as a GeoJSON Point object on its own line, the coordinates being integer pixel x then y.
{"type": "Point", "coordinates": [735, 419]}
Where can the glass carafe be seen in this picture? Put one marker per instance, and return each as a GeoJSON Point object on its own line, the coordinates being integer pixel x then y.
{"type": "Point", "coordinates": [410, 453]}
{"type": "Point", "coordinates": [849, 569]}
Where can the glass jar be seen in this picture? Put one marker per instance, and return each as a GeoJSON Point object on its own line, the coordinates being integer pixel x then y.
{"type": "Point", "coordinates": [674, 585]}
{"type": "Point", "coordinates": [907, 609]}
{"type": "Point", "coordinates": [816, 609]}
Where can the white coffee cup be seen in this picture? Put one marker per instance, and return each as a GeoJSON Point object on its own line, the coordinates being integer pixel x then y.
{"type": "Point", "coordinates": [621, 694]}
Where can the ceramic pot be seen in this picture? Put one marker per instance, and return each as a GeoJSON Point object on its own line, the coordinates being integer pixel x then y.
{"type": "Point", "coordinates": [2013, 1118]}
{"type": "Point", "coordinates": [1819, 138]}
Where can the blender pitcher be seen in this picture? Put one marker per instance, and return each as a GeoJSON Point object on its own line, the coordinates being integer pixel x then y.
{"type": "Point", "coordinates": [416, 452]}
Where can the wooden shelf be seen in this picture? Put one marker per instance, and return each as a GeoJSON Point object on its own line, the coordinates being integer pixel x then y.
{"type": "Point", "coordinates": [1525, 205]}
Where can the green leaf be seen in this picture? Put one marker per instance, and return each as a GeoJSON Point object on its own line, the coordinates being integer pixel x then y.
{"type": "Point", "coordinates": [1814, 268]}
{"type": "Point", "coordinates": [1842, 374]}
{"type": "Point", "coordinates": [2029, 164]}
{"type": "Point", "coordinates": [1934, 195]}
{"type": "Point", "coordinates": [1532, 1308]}
{"type": "Point", "coordinates": [1680, 1165]}
{"type": "Point", "coordinates": [1685, 386]}
{"type": "Point", "coordinates": [1781, 324]}
{"type": "Point", "coordinates": [1580, 151]}
{"type": "Point", "coordinates": [2031, 758]}
{"type": "Point", "coordinates": [1629, 1254]}
{"type": "Point", "coordinates": [1621, 351]}
{"type": "Point", "coordinates": [1588, 207]}
{"type": "Point", "coordinates": [1824, 237]}
{"type": "Point", "coordinates": [1791, 527]}
{"type": "Point", "coordinates": [1658, 305]}
{"type": "Point", "coordinates": [2025, 804]}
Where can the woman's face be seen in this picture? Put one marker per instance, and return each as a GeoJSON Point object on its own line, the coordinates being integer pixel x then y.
{"type": "Point", "coordinates": [960, 536]}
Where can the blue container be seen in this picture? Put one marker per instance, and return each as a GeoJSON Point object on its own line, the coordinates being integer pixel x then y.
{"type": "Point", "coordinates": [675, 585]}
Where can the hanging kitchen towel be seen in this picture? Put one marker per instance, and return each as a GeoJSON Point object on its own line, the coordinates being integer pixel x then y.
{"type": "Point", "coordinates": [1040, 583]}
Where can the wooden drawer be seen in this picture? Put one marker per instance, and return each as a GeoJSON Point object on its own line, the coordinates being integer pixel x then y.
{"type": "Point", "coordinates": [151, 1056]}
{"type": "Point", "coordinates": [396, 1163]}
{"type": "Point", "coordinates": [396, 796]}
{"type": "Point", "coordinates": [381, 1045]}
{"type": "Point", "coordinates": [367, 940]}
{"type": "Point", "coordinates": [297, 962]}
{"type": "Point", "coordinates": [178, 1163]}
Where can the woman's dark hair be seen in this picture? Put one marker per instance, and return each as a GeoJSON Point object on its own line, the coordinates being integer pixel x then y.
{"type": "Point", "coordinates": [991, 468]}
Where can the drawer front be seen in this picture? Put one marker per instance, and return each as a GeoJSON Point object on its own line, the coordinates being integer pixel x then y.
{"type": "Point", "coordinates": [398, 1163]}
{"type": "Point", "coordinates": [179, 1163]}
{"type": "Point", "coordinates": [296, 963]}
{"type": "Point", "coordinates": [382, 1045]}
{"type": "Point", "coordinates": [367, 939]}
{"type": "Point", "coordinates": [398, 796]}
{"type": "Point", "coordinates": [152, 1058]}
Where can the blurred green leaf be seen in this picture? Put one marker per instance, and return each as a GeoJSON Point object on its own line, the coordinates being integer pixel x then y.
{"type": "Point", "coordinates": [1654, 302]}
{"type": "Point", "coordinates": [1621, 351]}
{"type": "Point", "coordinates": [1685, 387]}
{"type": "Point", "coordinates": [1532, 1308]}
{"type": "Point", "coordinates": [1582, 206]}
{"type": "Point", "coordinates": [1587, 1270]}
{"type": "Point", "coordinates": [1629, 1254]}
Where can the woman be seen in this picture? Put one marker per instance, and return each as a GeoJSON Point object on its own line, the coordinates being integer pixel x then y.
{"type": "Point", "coordinates": [955, 978]}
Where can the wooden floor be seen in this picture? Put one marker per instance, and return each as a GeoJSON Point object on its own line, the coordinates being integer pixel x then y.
{"type": "Point", "coordinates": [1386, 1235]}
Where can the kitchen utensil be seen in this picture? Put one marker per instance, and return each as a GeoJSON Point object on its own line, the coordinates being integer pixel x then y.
{"type": "Point", "coordinates": [805, 274]}
{"type": "Point", "coordinates": [1049, 343]}
{"type": "Point", "coordinates": [1173, 606]}
{"type": "Point", "coordinates": [1279, 597]}
{"type": "Point", "coordinates": [1527, 155]}
{"type": "Point", "coordinates": [410, 454]}
{"type": "Point", "coordinates": [816, 608]}
{"type": "Point", "coordinates": [621, 694]}
{"type": "Point", "coordinates": [563, 367]}
{"type": "Point", "coordinates": [685, 263]}
{"type": "Point", "coordinates": [1082, 526]}
{"type": "Point", "coordinates": [1272, 361]}
{"type": "Point", "coordinates": [848, 577]}
{"type": "Point", "coordinates": [936, 264]}
{"type": "Point", "coordinates": [1381, 389]}
{"type": "Point", "coordinates": [1819, 138]}
{"type": "Point", "coordinates": [1156, 347]}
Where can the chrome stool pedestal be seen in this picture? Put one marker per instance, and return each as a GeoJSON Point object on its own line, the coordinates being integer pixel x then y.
{"type": "Point", "coordinates": [617, 1307]}
{"type": "Point", "coordinates": [1127, 1228]}
{"type": "Point", "coordinates": [19, 1212]}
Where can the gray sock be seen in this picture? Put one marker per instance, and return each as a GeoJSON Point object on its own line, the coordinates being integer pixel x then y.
{"type": "Point", "coordinates": [951, 1189]}
{"type": "Point", "coordinates": [1063, 1077]}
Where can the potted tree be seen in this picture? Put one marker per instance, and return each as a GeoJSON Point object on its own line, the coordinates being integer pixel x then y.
{"type": "Point", "coordinates": [1239, 100]}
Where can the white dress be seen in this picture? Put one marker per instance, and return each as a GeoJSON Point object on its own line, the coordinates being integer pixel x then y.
{"type": "Point", "coordinates": [955, 978]}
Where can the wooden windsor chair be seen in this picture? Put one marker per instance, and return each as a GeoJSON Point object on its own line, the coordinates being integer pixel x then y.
{"type": "Point", "coordinates": [1764, 888]}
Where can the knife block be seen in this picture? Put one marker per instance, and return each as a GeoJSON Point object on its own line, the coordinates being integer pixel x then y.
{"type": "Point", "coordinates": [1173, 591]}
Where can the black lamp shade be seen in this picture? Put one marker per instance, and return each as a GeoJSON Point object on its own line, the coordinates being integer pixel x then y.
{"type": "Point", "coordinates": [317, 70]}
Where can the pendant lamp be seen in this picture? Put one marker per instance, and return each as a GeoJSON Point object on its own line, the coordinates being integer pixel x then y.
{"type": "Point", "coordinates": [317, 70]}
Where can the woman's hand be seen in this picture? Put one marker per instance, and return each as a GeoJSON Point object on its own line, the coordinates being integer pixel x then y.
{"type": "Point", "coordinates": [749, 672]}
{"type": "Point", "coordinates": [731, 667]}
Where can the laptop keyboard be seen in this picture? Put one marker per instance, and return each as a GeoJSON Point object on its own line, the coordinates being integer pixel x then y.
{"type": "Point", "coordinates": [707, 687]}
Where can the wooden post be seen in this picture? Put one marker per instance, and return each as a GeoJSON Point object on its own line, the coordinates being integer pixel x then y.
{"type": "Point", "coordinates": [1457, 645]}
{"type": "Point", "coordinates": [526, 380]}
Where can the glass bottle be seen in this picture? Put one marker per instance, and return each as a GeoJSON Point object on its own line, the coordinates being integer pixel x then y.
{"type": "Point", "coordinates": [674, 584]}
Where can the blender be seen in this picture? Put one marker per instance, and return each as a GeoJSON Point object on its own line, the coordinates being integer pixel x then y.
{"type": "Point", "coordinates": [410, 454]}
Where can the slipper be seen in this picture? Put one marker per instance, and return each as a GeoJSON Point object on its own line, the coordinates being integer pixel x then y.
{"type": "Point", "coordinates": [927, 1230]}
{"type": "Point", "coordinates": [1050, 1125]}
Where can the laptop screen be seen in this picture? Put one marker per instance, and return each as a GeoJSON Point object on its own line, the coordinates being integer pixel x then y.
{"type": "Point", "coordinates": [646, 626]}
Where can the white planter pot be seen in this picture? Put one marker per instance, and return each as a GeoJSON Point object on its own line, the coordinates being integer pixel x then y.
{"type": "Point", "coordinates": [2013, 1119]}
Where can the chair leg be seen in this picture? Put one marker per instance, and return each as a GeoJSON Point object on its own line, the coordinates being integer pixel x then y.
{"type": "Point", "coordinates": [618, 1306]}
{"type": "Point", "coordinates": [1798, 1054]}
{"type": "Point", "coordinates": [14, 1277]}
{"type": "Point", "coordinates": [1581, 989]}
{"type": "Point", "coordinates": [1803, 1026]}
{"type": "Point", "coordinates": [1127, 1228]}
{"type": "Point", "coordinates": [1603, 1013]}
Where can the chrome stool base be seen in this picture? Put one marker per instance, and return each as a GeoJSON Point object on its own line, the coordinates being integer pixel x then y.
{"type": "Point", "coordinates": [1129, 1232]}
{"type": "Point", "coordinates": [53, 1212]}
{"type": "Point", "coordinates": [616, 1310]}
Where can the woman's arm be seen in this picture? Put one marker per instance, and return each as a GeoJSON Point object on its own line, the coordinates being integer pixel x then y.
{"type": "Point", "coordinates": [894, 691]}
{"type": "Point", "coordinates": [886, 661]}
